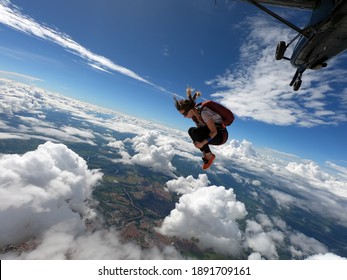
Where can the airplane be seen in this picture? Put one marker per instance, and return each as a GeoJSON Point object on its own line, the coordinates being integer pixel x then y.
{"type": "Point", "coordinates": [324, 37]}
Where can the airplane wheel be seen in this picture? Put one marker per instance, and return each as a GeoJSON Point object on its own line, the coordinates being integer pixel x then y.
{"type": "Point", "coordinates": [297, 85]}
{"type": "Point", "coordinates": [280, 50]}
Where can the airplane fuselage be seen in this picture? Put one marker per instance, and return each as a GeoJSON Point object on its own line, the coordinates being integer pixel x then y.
{"type": "Point", "coordinates": [304, 4]}
{"type": "Point", "coordinates": [327, 37]}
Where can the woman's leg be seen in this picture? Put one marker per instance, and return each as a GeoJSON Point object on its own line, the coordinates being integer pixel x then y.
{"type": "Point", "coordinates": [219, 138]}
{"type": "Point", "coordinates": [199, 134]}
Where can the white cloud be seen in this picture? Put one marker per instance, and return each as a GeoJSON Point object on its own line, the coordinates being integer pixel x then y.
{"type": "Point", "coordinates": [262, 238]}
{"type": "Point", "coordinates": [187, 185]}
{"type": "Point", "coordinates": [258, 86]}
{"type": "Point", "coordinates": [149, 155]}
{"type": "Point", "coordinates": [302, 246]}
{"type": "Point", "coordinates": [206, 213]}
{"type": "Point", "coordinates": [310, 169]}
{"type": "Point", "coordinates": [281, 198]}
{"type": "Point", "coordinates": [14, 18]}
{"type": "Point", "coordinates": [116, 144]}
{"type": "Point", "coordinates": [238, 149]}
{"type": "Point", "coordinates": [327, 256]}
{"type": "Point", "coordinates": [263, 244]}
{"type": "Point", "coordinates": [44, 198]}
{"type": "Point", "coordinates": [122, 151]}
{"type": "Point", "coordinates": [65, 135]}
{"type": "Point", "coordinates": [342, 171]}
{"type": "Point", "coordinates": [265, 237]}
{"type": "Point", "coordinates": [10, 75]}
{"type": "Point", "coordinates": [79, 132]}
{"type": "Point", "coordinates": [255, 256]}
{"type": "Point", "coordinates": [153, 149]}
{"type": "Point", "coordinates": [165, 50]}
{"type": "Point", "coordinates": [13, 100]}
{"type": "Point", "coordinates": [313, 177]}
{"type": "Point", "coordinates": [42, 188]}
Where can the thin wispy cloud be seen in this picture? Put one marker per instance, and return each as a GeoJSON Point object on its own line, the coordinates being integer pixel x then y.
{"type": "Point", "coordinates": [258, 86]}
{"type": "Point", "coordinates": [12, 17]}
{"type": "Point", "coordinates": [10, 75]}
{"type": "Point", "coordinates": [165, 50]}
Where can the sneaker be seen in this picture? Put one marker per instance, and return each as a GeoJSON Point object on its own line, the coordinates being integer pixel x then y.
{"type": "Point", "coordinates": [208, 162]}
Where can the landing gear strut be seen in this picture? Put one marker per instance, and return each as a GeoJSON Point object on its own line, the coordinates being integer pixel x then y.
{"type": "Point", "coordinates": [280, 50]}
{"type": "Point", "coordinates": [296, 81]}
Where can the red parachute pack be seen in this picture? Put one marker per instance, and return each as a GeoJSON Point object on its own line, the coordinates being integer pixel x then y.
{"type": "Point", "coordinates": [227, 116]}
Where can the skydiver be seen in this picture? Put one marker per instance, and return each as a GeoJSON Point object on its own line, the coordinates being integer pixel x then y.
{"type": "Point", "coordinates": [209, 128]}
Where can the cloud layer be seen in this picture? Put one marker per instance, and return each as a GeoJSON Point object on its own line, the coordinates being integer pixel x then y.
{"type": "Point", "coordinates": [48, 190]}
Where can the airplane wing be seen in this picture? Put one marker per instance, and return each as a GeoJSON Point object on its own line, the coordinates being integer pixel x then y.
{"type": "Point", "coordinates": [303, 4]}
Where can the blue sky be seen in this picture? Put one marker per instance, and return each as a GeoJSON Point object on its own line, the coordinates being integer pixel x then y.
{"type": "Point", "coordinates": [133, 56]}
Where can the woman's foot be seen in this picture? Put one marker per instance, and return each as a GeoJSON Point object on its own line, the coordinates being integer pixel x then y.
{"type": "Point", "coordinates": [208, 160]}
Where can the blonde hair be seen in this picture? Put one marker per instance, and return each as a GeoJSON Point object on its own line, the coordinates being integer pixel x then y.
{"type": "Point", "coordinates": [189, 103]}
